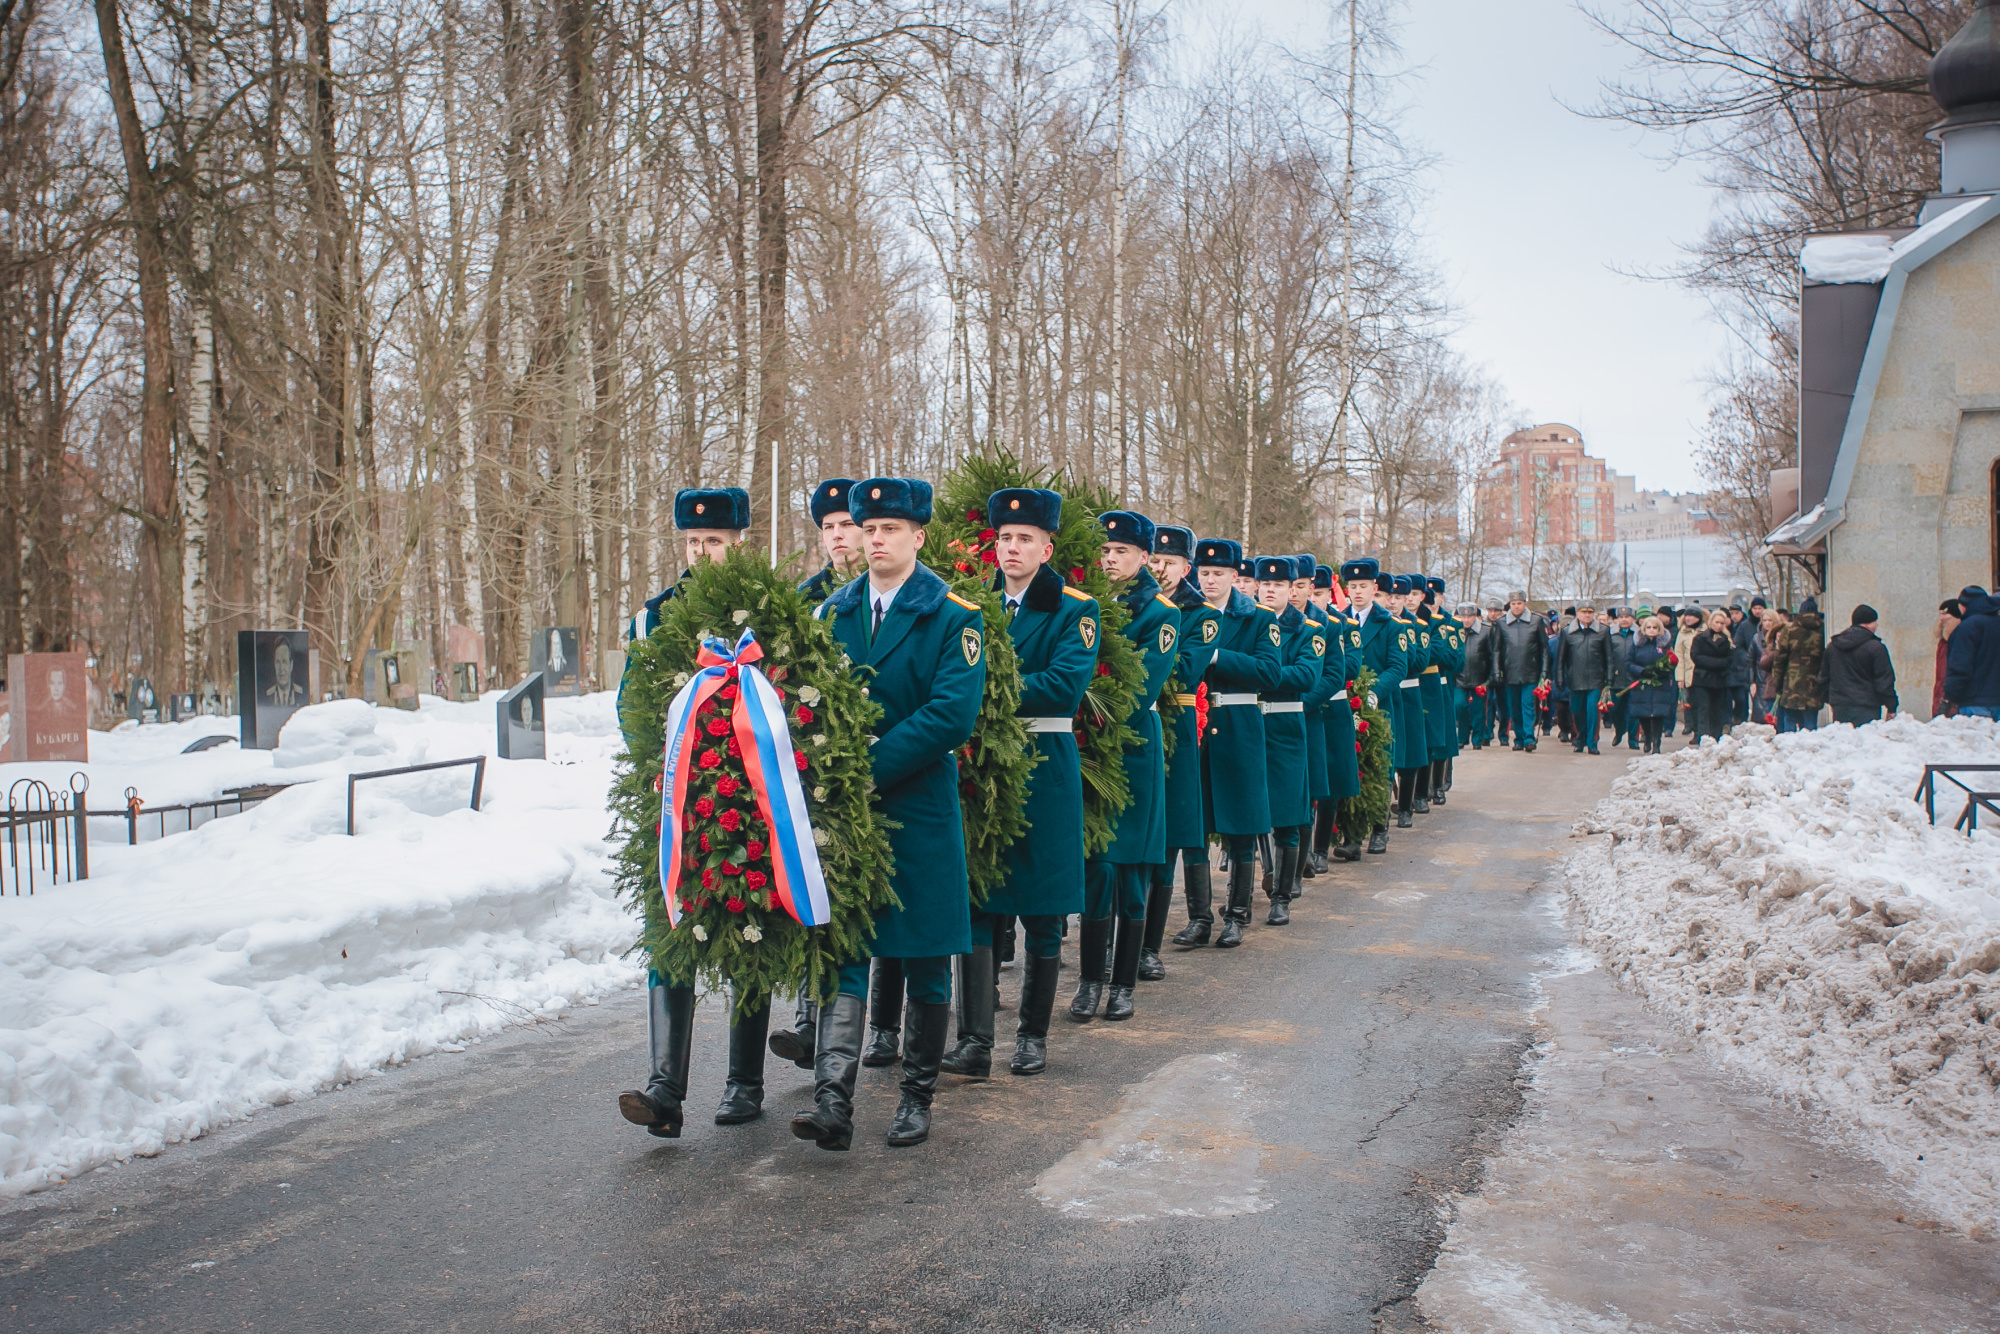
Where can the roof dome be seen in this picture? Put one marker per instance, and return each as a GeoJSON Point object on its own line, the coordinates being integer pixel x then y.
{"type": "Point", "coordinates": [1965, 73]}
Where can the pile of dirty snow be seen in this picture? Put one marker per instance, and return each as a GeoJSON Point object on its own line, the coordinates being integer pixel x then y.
{"type": "Point", "coordinates": [265, 956]}
{"type": "Point", "coordinates": [1785, 899]}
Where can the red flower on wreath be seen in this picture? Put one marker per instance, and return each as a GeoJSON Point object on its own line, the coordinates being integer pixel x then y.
{"type": "Point", "coordinates": [973, 516]}
{"type": "Point", "coordinates": [704, 808]}
{"type": "Point", "coordinates": [989, 557]}
{"type": "Point", "coordinates": [756, 850]}
{"type": "Point", "coordinates": [734, 905]}
{"type": "Point", "coordinates": [800, 756]}
{"type": "Point", "coordinates": [963, 568]}
{"type": "Point", "coordinates": [803, 714]}
{"type": "Point", "coordinates": [718, 727]}
{"type": "Point", "coordinates": [704, 843]}
{"type": "Point", "coordinates": [1354, 703]}
{"type": "Point", "coordinates": [988, 534]}
{"type": "Point", "coordinates": [708, 878]}
{"type": "Point", "coordinates": [1076, 574]}
{"type": "Point", "coordinates": [707, 706]}
{"type": "Point", "coordinates": [731, 868]}
{"type": "Point", "coordinates": [1361, 726]}
{"type": "Point", "coordinates": [735, 749]}
{"type": "Point", "coordinates": [728, 691]}
{"type": "Point", "coordinates": [709, 759]}
{"type": "Point", "coordinates": [1357, 748]}
{"type": "Point", "coordinates": [727, 787]}
{"type": "Point", "coordinates": [659, 782]}
{"type": "Point", "coordinates": [1104, 669]}
{"type": "Point", "coordinates": [755, 880]}
{"type": "Point", "coordinates": [732, 820]}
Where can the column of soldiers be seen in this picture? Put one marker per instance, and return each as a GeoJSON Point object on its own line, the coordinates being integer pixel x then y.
{"type": "Point", "coordinates": [1260, 654]}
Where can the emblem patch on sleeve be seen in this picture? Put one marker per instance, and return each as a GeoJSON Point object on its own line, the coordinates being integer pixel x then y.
{"type": "Point", "coordinates": [1403, 640]}
{"type": "Point", "coordinates": [968, 642]}
{"type": "Point", "coordinates": [1319, 647]}
{"type": "Point", "coordinates": [1087, 627]}
{"type": "Point", "coordinates": [1166, 639]}
{"type": "Point", "coordinates": [1357, 639]}
{"type": "Point", "coordinates": [1208, 631]}
{"type": "Point", "coordinates": [1274, 632]}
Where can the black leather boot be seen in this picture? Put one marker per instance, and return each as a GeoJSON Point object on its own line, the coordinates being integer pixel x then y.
{"type": "Point", "coordinates": [1403, 821]}
{"type": "Point", "coordinates": [1038, 1002]}
{"type": "Point", "coordinates": [1281, 910]}
{"type": "Point", "coordinates": [830, 1122]}
{"type": "Point", "coordinates": [925, 1026]}
{"type": "Point", "coordinates": [1420, 795]}
{"type": "Point", "coordinates": [885, 1014]}
{"type": "Point", "coordinates": [743, 1096]}
{"type": "Point", "coordinates": [1124, 969]}
{"type": "Point", "coordinates": [1378, 842]}
{"type": "Point", "coordinates": [973, 1057]}
{"type": "Point", "coordinates": [1200, 904]}
{"type": "Point", "coordinates": [1242, 890]}
{"type": "Point", "coordinates": [670, 1042]}
{"type": "Point", "coordinates": [1268, 860]}
{"type": "Point", "coordinates": [1093, 954]}
{"type": "Point", "coordinates": [1159, 900]}
{"type": "Point", "coordinates": [795, 1044]}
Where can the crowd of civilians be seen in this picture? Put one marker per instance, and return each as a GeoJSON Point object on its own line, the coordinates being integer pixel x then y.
{"type": "Point", "coordinates": [1640, 672]}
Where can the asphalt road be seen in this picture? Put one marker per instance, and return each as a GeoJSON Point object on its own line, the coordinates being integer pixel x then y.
{"type": "Point", "coordinates": [1263, 1147]}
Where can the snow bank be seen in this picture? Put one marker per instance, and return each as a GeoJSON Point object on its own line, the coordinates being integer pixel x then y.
{"type": "Point", "coordinates": [1785, 900]}
{"type": "Point", "coordinates": [267, 956]}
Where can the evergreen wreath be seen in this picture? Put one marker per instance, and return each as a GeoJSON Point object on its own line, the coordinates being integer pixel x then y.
{"type": "Point", "coordinates": [731, 930]}
{"type": "Point", "coordinates": [1361, 814]}
{"type": "Point", "coordinates": [962, 537]}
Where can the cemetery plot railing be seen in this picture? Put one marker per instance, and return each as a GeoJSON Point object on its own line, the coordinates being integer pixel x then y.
{"type": "Point", "coordinates": [478, 763]}
{"type": "Point", "coordinates": [242, 798]}
{"type": "Point", "coordinates": [44, 835]}
{"type": "Point", "coordinates": [1968, 819]}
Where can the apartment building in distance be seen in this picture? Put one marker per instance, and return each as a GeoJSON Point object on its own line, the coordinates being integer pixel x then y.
{"type": "Point", "coordinates": [1546, 490]}
{"type": "Point", "coordinates": [1657, 516]}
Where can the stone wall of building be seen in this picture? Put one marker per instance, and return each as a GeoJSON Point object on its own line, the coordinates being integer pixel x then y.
{"type": "Point", "coordinates": [1919, 524]}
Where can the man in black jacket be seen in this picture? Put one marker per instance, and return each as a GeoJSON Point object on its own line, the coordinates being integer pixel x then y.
{"type": "Point", "coordinates": [1520, 658]}
{"type": "Point", "coordinates": [1475, 718]}
{"type": "Point", "coordinates": [1583, 663]}
{"type": "Point", "coordinates": [1856, 675]}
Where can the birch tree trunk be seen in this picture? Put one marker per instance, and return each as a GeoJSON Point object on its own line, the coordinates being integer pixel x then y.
{"type": "Point", "coordinates": [198, 451]}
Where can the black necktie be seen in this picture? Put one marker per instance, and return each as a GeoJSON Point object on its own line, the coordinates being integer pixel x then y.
{"type": "Point", "coordinates": [877, 627]}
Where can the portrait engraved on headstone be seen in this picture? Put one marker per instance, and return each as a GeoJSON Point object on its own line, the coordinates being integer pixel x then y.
{"type": "Point", "coordinates": [552, 651]}
{"type": "Point", "coordinates": [522, 721]}
{"type": "Point", "coordinates": [48, 702]}
{"type": "Point", "coordinates": [142, 705]}
{"type": "Point", "coordinates": [271, 683]}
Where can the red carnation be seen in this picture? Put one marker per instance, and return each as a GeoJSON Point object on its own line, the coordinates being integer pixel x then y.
{"type": "Point", "coordinates": [1350, 684]}
{"type": "Point", "coordinates": [755, 880]}
{"type": "Point", "coordinates": [1357, 748]}
{"type": "Point", "coordinates": [718, 726]}
{"type": "Point", "coordinates": [756, 850]}
{"type": "Point", "coordinates": [1673, 657]}
{"type": "Point", "coordinates": [803, 714]}
{"type": "Point", "coordinates": [800, 756]}
{"type": "Point", "coordinates": [707, 706]}
{"type": "Point", "coordinates": [727, 787]}
{"type": "Point", "coordinates": [1104, 669]}
{"type": "Point", "coordinates": [987, 535]}
{"type": "Point", "coordinates": [1479, 691]}
{"type": "Point", "coordinates": [707, 878]}
{"type": "Point", "coordinates": [972, 516]}
{"type": "Point", "coordinates": [1354, 703]}
{"type": "Point", "coordinates": [659, 782]}
{"type": "Point", "coordinates": [734, 905]}
{"type": "Point", "coordinates": [704, 808]}
{"type": "Point", "coordinates": [963, 568]}
{"type": "Point", "coordinates": [687, 824]}
{"type": "Point", "coordinates": [704, 843]}
{"type": "Point", "coordinates": [732, 820]}
{"type": "Point", "coordinates": [1076, 574]}
{"type": "Point", "coordinates": [731, 868]}
{"type": "Point", "coordinates": [709, 759]}
{"type": "Point", "coordinates": [989, 557]}
{"type": "Point", "coordinates": [967, 790]}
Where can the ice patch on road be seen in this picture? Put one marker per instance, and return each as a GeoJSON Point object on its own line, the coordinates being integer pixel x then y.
{"type": "Point", "coordinates": [1179, 1146]}
{"type": "Point", "coordinates": [1399, 895]}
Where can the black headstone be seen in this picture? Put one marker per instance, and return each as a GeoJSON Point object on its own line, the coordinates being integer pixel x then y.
{"type": "Point", "coordinates": [523, 734]}
{"type": "Point", "coordinates": [553, 652]}
{"type": "Point", "coordinates": [142, 705]}
{"type": "Point", "coordinates": [185, 706]}
{"type": "Point", "coordinates": [270, 683]}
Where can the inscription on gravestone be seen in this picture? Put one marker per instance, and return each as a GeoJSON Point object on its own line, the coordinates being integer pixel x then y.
{"type": "Point", "coordinates": [552, 652]}
{"type": "Point", "coordinates": [523, 726]}
{"type": "Point", "coordinates": [270, 683]}
{"type": "Point", "coordinates": [48, 701]}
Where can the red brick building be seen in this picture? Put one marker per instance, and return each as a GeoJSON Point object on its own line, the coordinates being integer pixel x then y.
{"type": "Point", "coordinates": [1545, 490]}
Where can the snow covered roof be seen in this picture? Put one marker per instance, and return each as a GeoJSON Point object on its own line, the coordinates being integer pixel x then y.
{"type": "Point", "coordinates": [1866, 257]}
{"type": "Point", "coordinates": [1787, 533]}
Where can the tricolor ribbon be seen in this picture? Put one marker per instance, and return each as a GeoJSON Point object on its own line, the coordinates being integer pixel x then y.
{"type": "Point", "coordinates": [764, 737]}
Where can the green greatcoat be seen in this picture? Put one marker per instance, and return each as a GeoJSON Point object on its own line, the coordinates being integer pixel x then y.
{"type": "Point", "coordinates": [1240, 657]}
{"type": "Point", "coordinates": [1438, 719]}
{"type": "Point", "coordinates": [1285, 766]}
{"type": "Point", "coordinates": [1317, 789]}
{"type": "Point", "coordinates": [1185, 827]}
{"type": "Point", "coordinates": [1450, 633]}
{"type": "Point", "coordinates": [926, 668]}
{"type": "Point", "coordinates": [1140, 838]}
{"type": "Point", "coordinates": [1055, 637]}
{"type": "Point", "coordinates": [1413, 749]}
{"type": "Point", "coordinates": [1385, 647]}
{"type": "Point", "coordinates": [1343, 664]}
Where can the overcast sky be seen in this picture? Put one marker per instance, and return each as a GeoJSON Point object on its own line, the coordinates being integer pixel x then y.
{"type": "Point", "coordinates": [1534, 212]}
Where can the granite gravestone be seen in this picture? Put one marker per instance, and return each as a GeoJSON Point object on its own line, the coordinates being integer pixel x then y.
{"type": "Point", "coordinates": [141, 704]}
{"type": "Point", "coordinates": [182, 707]}
{"type": "Point", "coordinates": [465, 651]}
{"type": "Point", "coordinates": [270, 683]}
{"type": "Point", "coordinates": [48, 704]}
{"type": "Point", "coordinates": [523, 727]}
{"type": "Point", "coordinates": [553, 654]}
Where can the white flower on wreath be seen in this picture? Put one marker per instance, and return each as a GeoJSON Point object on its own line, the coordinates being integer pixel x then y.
{"type": "Point", "coordinates": [819, 794]}
{"type": "Point", "coordinates": [819, 738]}
{"type": "Point", "coordinates": [820, 839]}
{"type": "Point", "coordinates": [739, 616]}
{"type": "Point", "coordinates": [680, 679]}
{"type": "Point", "coordinates": [752, 934]}
{"type": "Point", "coordinates": [810, 694]}
{"type": "Point", "coordinates": [700, 932]}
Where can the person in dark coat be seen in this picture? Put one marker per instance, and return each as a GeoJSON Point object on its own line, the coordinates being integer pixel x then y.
{"type": "Point", "coordinates": [1795, 670]}
{"type": "Point", "coordinates": [1713, 649]}
{"type": "Point", "coordinates": [1475, 713]}
{"type": "Point", "coordinates": [1186, 838]}
{"type": "Point", "coordinates": [1972, 661]}
{"type": "Point", "coordinates": [1583, 665]}
{"type": "Point", "coordinates": [1742, 665]}
{"type": "Point", "coordinates": [1649, 707]}
{"type": "Point", "coordinates": [1238, 659]}
{"type": "Point", "coordinates": [1859, 679]}
{"type": "Point", "coordinates": [1383, 648]}
{"type": "Point", "coordinates": [1520, 656]}
{"type": "Point", "coordinates": [1624, 636]}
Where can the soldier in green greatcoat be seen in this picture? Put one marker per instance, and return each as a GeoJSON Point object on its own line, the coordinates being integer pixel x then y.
{"type": "Point", "coordinates": [1430, 682]}
{"type": "Point", "coordinates": [1287, 782]}
{"type": "Point", "coordinates": [1116, 880]}
{"type": "Point", "coordinates": [1343, 766]}
{"type": "Point", "coordinates": [1383, 649]}
{"type": "Point", "coordinates": [1317, 788]}
{"type": "Point", "coordinates": [1406, 706]}
{"type": "Point", "coordinates": [1238, 659]}
{"type": "Point", "coordinates": [1449, 659]}
{"type": "Point", "coordinates": [1187, 824]}
{"type": "Point", "coordinates": [1054, 629]}
{"type": "Point", "coordinates": [918, 647]}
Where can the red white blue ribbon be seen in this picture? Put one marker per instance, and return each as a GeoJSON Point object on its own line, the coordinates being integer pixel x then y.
{"type": "Point", "coordinates": [757, 721]}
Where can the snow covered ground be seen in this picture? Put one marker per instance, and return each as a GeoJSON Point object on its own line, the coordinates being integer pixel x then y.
{"type": "Point", "coordinates": [266, 956]}
{"type": "Point", "coordinates": [1783, 899]}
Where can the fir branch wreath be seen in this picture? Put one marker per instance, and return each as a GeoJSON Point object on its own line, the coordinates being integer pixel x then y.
{"type": "Point", "coordinates": [1358, 815]}
{"type": "Point", "coordinates": [731, 929]}
{"type": "Point", "coordinates": [962, 537]}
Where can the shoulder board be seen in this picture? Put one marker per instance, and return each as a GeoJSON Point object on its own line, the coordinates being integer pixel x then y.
{"type": "Point", "coordinates": [1076, 593]}
{"type": "Point", "coordinates": [1164, 601]}
{"type": "Point", "coordinates": [969, 606]}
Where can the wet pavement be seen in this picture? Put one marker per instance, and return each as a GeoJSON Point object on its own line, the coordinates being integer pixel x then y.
{"type": "Point", "coordinates": [1268, 1145]}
